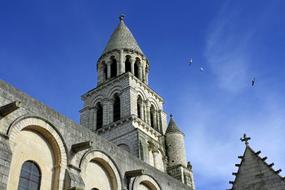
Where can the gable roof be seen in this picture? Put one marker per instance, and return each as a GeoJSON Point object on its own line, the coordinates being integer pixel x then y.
{"type": "Point", "coordinates": [255, 174]}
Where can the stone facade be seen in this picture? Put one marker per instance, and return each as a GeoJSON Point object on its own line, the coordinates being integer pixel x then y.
{"type": "Point", "coordinates": [70, 167]}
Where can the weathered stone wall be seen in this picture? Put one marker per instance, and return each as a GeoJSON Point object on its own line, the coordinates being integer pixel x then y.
{"type": "Point", "coordinates": [255, 174]}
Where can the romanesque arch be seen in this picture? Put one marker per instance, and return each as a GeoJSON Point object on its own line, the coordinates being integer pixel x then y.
{"type": "Point", "coordinates": [33, 138]}
{"type": "Point", "coordinates": [99, 171]}
{"type": "Point", "coordinates": [145, 182]}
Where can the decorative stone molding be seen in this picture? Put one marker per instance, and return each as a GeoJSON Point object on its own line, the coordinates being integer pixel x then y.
{"type": "Point", "coordinates": [106, 162]}
{"type": "Point", "coordinates": [48, 131]}
{"type": "Point", "coordinates": [145, 180]}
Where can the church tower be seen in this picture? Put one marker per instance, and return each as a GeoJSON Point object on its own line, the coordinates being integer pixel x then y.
{"type": "Point", "coordinates": [123, 108]}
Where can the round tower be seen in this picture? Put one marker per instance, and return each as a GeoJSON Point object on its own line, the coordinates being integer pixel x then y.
{"type": "Point", "coordinates": [175, 146]}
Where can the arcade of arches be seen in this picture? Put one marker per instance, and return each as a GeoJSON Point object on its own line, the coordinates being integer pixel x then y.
{"type": "Point", "coordinates": [39, 161]}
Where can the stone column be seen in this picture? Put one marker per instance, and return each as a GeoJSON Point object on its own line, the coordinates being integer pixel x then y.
{"type": "Point", "coordinates": [99, 72]}
{"type": "Point", "coordinates": [108, 69]}
{"type": "Point", "coordinates": [141, 110]}
{"type": "Point", "coordinates": [159, 121]}
{"type": "Point", "coordinates": [91, 118]}
{"type": "Point", "coordinates": [122, 64]}
{"type": "Point", "coordinates": [106, 111]}
{"type": "Point", "coordinates": [147, 113]}
{"type": "Point", "coordinates": [118, 67]}
{"type": "Point", "coordinates": [155, 153]}
{"type": "Point", "coordinates": [132, 65]}
{"type": "Point", "coordinates": [140, 72]}
{"type": "Point", "coordinates": [94, 119]}
{"type": "Point", "coordinates": [143, 114]}
{"type": "Point", "coordinates": [155, 120]}
{"type": "Point", "coordinates": [146, 75]}
{"type": "Point", "coordinates": [111, 111]}
{"type": "Point", "coordinates": [5, 160]}
{"type": "Point", "coordinates": [143, 73]}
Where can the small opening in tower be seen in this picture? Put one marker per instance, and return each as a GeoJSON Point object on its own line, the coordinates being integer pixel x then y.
{"type": "Point", "coordinates": [152, 112]}
{"type": "Point", "coordinates": [116, 108]}
{"type": "Point", "coordinates": [113, 67]}
{"type": "Point", "coordinates": [99, 116]}
{"type": "Point", "coordinates": [136, 67]}
{"type": "Point", "coordinates": [139, 107]}
{"type": "Point", "coordinates": [104, 68]}
{"type": "Point", "coordinates": [128, 66]}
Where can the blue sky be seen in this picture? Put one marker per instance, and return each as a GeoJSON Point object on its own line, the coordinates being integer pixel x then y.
{"type": "Point", "coordinates": [49, 50]}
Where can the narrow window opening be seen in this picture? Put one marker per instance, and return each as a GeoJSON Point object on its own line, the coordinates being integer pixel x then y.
{"type": "Point", "coordinates": [128, 66]}
{"type": "Point", "coordinates": [99, 115]}
{"type": "Point", "coordinates": [139, 107]}
{"type": "Point", "coordinates": [113, 67]}
{"type": "Point", "coordinates": [152, 111]}
{"type": "Point", "coordinates": [136, 68]}
{"type": "Point", "coordinates": [116, 108]}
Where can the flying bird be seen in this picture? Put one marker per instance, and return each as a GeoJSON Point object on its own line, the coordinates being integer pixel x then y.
{"type": "Point", "coordinates": [202, 69]}
{"type": "Point", "coordinates": [253, 82]}
{"type": "Point", "coordinates": [190, 61]}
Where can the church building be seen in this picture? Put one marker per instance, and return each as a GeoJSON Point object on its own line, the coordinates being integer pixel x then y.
{"type": "Point", "coordinates": [123, 141]}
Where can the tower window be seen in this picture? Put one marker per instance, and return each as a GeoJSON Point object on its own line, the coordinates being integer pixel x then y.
{"type": "Point", "coordinates": [152, 112]}
{"type": "Point", "coordinates": [136, 68]}
{"type": "Point", "coordinates": [99, 115]}
{"type": "Point", "coordinates": [139, 107]}
{"type": "Point", "coordinates": [116, 108]}
{"type": "Point", "coordinates": [113, 67]}
{"type": "Point", "coordinates": [128, 66]}
{"type": "Point", "coordinates": [30, 177]}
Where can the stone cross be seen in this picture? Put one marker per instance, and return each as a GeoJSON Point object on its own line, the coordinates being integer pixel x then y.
{"type": "Point", "coordinates": [245, 139]}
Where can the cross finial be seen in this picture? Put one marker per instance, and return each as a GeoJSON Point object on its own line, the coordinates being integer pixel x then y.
{"type": "Point", "coordinates": [122, 17]}
{"type": "Point", "coordinates": [171, 115]}
{"type": "Point", "coordinates": [245, 139]}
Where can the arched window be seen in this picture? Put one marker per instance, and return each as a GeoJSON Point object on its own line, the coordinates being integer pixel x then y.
{"type": "Point", "coordinates": [30, 177]}
{"type": "Point", "coordinates": [152, 112]}
{"type": "Point", "coordinates": [116, 108]}
{"type": "Point", "coordinates": [139, 107]}
{"type": "Point", "coordinates": [128, 66]}
{"type": "Point", "coordinates": [99, 116]}
{"type": "Point", "coordinates": [136, 68]}
{"type": "Point", "coordinates": [113, 67]}
{"type": "Point", "coordinates": [94, 189]}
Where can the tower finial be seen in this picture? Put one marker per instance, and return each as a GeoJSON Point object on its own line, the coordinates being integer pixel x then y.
{"type": "Point", "coordinates": [245, 139]}
{"type": "Point", "coordinates": [122, 17]}
{"type": "Point", "coordinates": [171, 116]}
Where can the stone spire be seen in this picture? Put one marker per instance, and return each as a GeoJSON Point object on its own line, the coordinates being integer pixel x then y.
{"type": "Point", "coordinates": [172, 127]}
{"type": "Point", "coordinates": [122, 38]}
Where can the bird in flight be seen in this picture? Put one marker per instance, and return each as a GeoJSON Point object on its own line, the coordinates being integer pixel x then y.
{"type": "Point", "coordinates": [253, 82]}
{"type": "Point", "coordinates": [202, 69]}
{"type": "Point", "coordinates": [190, 61]}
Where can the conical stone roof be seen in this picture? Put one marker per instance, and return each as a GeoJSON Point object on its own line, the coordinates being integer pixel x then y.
{"type": "Point", "coordinates": [122, 38]}
{"type": "Point", "coordinates": [172, 128]}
